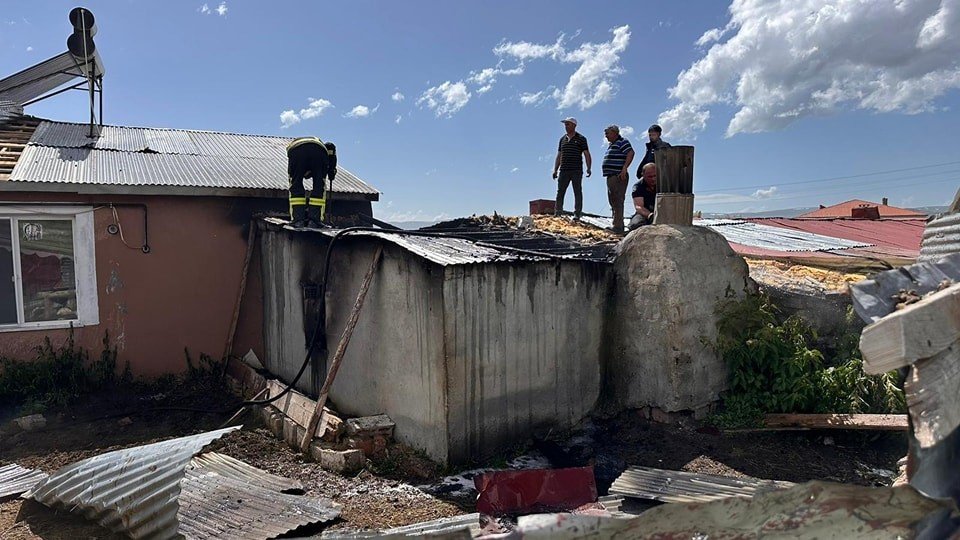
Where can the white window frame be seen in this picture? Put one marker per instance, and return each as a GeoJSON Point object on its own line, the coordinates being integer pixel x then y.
{"type": "Point", "coordinates": [84, 261]}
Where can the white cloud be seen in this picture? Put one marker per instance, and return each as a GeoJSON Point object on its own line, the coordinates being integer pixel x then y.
{"type": "Point", "coordinates": [397, 96]}
{"type": "Point", "coordinates": [534, 99]}
{"type": "Point", "coordinates": [397, 119]}
{"type": "Point", "coordinates": [220, 10]}
{"type": "Point", "coordinates": [445, 99]}
{"type": "Point", "coordinates": [627, 131]}
{"type": "Point", "coordinates": [594, 80]}
{"type": "Point", "coordinates": [515, 169]}
{"type": "Point", "coordinates": [361, 111]}
{"type": "Point", "coordinates": [524, 50]}
{"type": "Point", "coordinates": [487, 77]}
{"type": "Point", "coordinates": [683, 121]}
{"type": "Point", "coordinates": [314, 109]}
{"type": "Point", "coordinates": [29, 48]}
{"type": "Point", "coordinates": [289, 118]}
{"type": "Point", "coordinates": [419, 215]}
{"type": "Point", "coordinates": [765, 193]}
{"type": "Point", "coordinates": [778, 62]}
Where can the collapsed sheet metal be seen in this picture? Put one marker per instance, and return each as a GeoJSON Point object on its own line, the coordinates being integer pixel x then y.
{"type": "Point", "coordinates": [873, 298]}
{"type": "Point", "coordinates": [812, 510]}
{"type": "Point", "coordinates": [685, 487]}
{"type": "Point", "coordinates": [940, 238]}
{"type": "Point", "coordinates": [225, 498]}
{"type": "Point", "coordinates": [134, 490]}
{"type": "Point", "coordinates": [15, 479]}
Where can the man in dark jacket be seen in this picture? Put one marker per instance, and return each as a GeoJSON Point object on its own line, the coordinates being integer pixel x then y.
{"type": "Point", "coordinates": [656, 143]}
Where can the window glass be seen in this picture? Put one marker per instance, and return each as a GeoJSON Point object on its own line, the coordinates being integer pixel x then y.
{"type": "Point", "coordinates": [47, 269]}
{"type": "Point", "coordinates": [8, 295]}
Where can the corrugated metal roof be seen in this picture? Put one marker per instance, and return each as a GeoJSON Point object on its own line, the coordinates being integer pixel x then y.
{"type": "Point", "coordinates": [133, 490]}
{"type": "Point", "coordinates": [61, 152]}
{"type": "Point", "coordinates": [15, 479]}
{"type": "Point", "coordinates": [447, 251]}
{"type": "Point", "coordinates": [894, 237]}
{"type": "Point", "coordinates": [225, 498]}
{"type": "Point", "coordinates": [779, 238]}
{"type": "Point", "coordinates": [685, 487]}
{"type": "Point", "coordinates": [940, 238]}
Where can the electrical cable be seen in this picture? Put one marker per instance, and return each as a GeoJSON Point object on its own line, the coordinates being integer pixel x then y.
{"type": "Point", "coordinates": [116, 221]}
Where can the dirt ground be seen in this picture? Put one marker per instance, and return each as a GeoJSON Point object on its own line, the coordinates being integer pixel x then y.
{"type": "Point", "coordinates": [388, 499]}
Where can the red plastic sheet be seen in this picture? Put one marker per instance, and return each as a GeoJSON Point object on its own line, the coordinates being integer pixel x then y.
{"type": "Point", "coordinates": [535, 490]}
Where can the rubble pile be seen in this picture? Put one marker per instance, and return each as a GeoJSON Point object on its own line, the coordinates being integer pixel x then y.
{"type": "Point", "coordinates": [791, 276]}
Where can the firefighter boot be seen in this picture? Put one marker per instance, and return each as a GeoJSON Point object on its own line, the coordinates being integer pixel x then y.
{"type": "Point", "coordinates": [298, 215]}
{"type": "Point", "coordinates": [316, 213]}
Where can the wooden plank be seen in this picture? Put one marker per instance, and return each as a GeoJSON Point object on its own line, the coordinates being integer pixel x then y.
{"type": "Point", "coordinates": [298, 407]}
{"type": "Point", "coordinates": [933, 395]}
{"type": "Point", "coordinates": [918, 331]}
{"type": "Point", "coordinates": [673, 209]}
{"type": "Point", "coordinates": [675, 169]}
{"type": "Point", "coordinates": [870, 422]}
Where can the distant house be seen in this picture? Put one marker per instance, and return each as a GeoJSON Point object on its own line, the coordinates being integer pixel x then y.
{"type": "Point", "coordinates": [139, 233]}
{"type": "Point", "coordinates": [857, 208]}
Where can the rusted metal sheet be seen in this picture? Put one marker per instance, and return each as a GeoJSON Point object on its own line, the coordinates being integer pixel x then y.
{"type": "Point", "coordinates": [684, 487]}
{"type": "Point", "coordinates": [225, 498]}
{"type": "Point", "coordinates": [62, 152]}
{"type": "Point", "coordinates": [15, 479]}
{"type": "Point", "coordinates": [940, 238]}
{"type": "Point", "coordinates": [134, 490]}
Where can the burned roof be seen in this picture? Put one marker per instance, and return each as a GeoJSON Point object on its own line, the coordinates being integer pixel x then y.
{"type": "Point", "coordinates": [474, 245]}
{"type": "Point", "coordinates": [61, 154]}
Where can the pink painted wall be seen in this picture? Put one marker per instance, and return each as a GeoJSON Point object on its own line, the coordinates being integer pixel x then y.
{"type": "Point", "coordinates": [181, 294]}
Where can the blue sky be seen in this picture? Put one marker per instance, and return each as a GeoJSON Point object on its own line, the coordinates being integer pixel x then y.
{"type": "Point", "coordinates": [781, 99]}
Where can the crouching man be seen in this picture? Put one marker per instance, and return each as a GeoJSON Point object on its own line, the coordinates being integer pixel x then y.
{"type": "Point", "coordinates": [644, 196]}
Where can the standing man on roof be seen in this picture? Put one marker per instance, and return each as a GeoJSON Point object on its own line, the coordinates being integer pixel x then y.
{"type": "Point", "coordinates": [309, 157]}
{"type": "Point", "coordinates": [616, 163]}
{"type": "Point", "coordinates": [570, 166]}
{"type": "Point", "coordinates": [656, 143]}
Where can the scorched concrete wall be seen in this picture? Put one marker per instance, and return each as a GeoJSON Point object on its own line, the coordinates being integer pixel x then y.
{"type": "Point", "coordinates": [523, 350]}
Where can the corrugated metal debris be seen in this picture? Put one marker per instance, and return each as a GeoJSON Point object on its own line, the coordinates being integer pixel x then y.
{"type": "Point", "coordinates": [940, 238]}
{"type": "Point", "coordinates": [684, 487]}
{"type": "Point", "coordinates": [513, 492]}
{"type": "Point", "coordinates": [163, 490]}
{"type": "Point", "coordinates": [129, 156]}
{"type": "Point", "coordinates": [873, 298]}
{"type": "Point", "coordinates": [133, 490]}
{"type": "Point", "coordinates": [15, 479]}
{"type": "Point", "coordinates": [225, 498]}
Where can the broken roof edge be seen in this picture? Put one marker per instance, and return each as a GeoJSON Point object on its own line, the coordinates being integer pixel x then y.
{"type": "Point", "coordinates": [442, 250]}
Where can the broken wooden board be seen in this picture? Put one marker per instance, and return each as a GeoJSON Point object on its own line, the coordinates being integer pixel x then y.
{"type": "Point", "coordinates": [918, 331]}
{"type": "Point", "coordinates": [933, 395]}
{"type": "Point", "coordinates": [299, 408]}
{"type": "Point", "coordinates": [685, 487]}
{"type": "Point", "coordinates": [869, 422]}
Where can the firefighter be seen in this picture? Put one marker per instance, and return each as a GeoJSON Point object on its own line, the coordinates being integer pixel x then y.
{"type": "Point", "coordinates": [309, 157]}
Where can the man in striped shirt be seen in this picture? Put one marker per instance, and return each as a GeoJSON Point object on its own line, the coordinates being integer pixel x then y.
{"type": "Point", "coordinates": [615, 164]}
{"type": "Point", "coordinates": [568, 162]}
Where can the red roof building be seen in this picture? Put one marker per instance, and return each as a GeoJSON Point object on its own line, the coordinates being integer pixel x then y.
{"type": "Point", "coordinates": [852, 208]}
